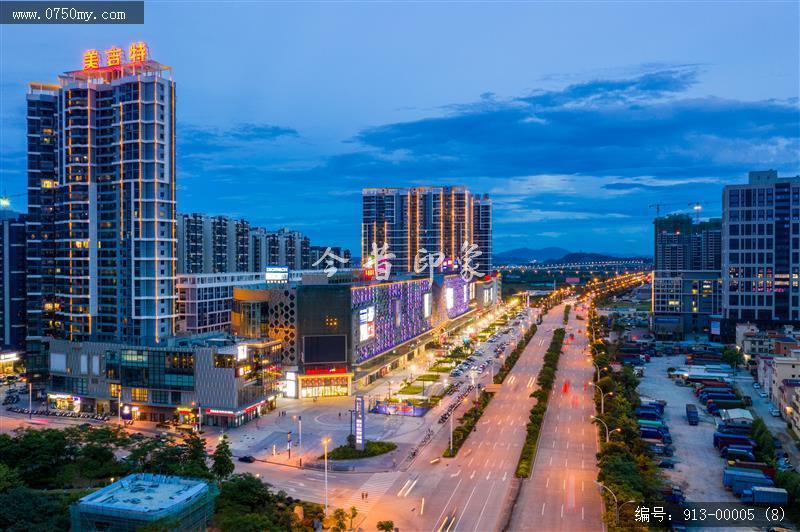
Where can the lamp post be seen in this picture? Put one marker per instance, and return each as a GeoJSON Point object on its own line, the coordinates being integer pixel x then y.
{"type": "Point", "coordinates": [595, 366]}
{"type": "Point", "coordinates": [119, 405]}
{"type": "Point", "coordinates": [451, 435]}
{"type": "Point", "coordinates": [325, 442]}
{"type": "Point", "coordinates": [608, 433]}
{"type": "Point", "coordinates": [602, 397]}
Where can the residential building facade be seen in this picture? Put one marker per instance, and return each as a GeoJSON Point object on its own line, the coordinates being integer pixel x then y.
{"type": "Point", "coordinates": [760, 262]}
{"type": "Point", "coordinates": [101, 227]}
{"type": "Point", "coordinates": [205, 300]}
{"type": "Point", "coordinates": [13, 274]}
{"type": "Point", "coordinates": [687, 283]}
{"type": "Point", "coordinates": [419, 220]}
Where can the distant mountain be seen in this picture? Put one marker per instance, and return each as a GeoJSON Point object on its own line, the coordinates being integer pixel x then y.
{"type": "Point", "coordinates": [526, 255]}
{"type": "Point", "coordinates": [581, 257]}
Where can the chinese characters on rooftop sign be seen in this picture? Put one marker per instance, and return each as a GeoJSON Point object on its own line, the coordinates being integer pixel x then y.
{"type": "Point", "coordinates": [115, 56]}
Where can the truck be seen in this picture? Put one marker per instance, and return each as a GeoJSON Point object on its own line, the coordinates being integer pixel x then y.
{"type": "Point", "coordinates": [673, 494]}
{"type": "Point", "coordinates": [692, 415]}
{"type": "Point", "coordinates": [737, 452]}
{"type": "Point", "coordinates": [653, 424]}
{"type": "Point", "coordinates": [714, 406]}
{"type": "Point", "coordinates": [655, 407]}
{"type": "Point", "coordinates": [744, 484]}
{"type": "Point", "coordinates": [721, 440]}
{"type": "Point", "coordinates": [765, 495]}
{"type": "Point", "coordinates": [658, 447]}
{"type": "Point", "coordinates": [724, 428]}
{"type": "Point", "coordinates": [717, 397]}
{"type": "Point", "coordinates": [712, 389]}
{"type": "Point", "coordinates": [655, 434]}
{"type": "Point", "coordinates": [760, 466]}
{"type": "Point", "coordinates": [732, 474]}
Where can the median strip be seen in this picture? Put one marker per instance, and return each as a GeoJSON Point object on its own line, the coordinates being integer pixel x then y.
{"type": "Point", "coordinates": [545, 380]}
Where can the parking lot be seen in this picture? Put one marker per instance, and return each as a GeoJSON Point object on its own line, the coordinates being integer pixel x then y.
{"type": "Point", "coordinates": [489, 355]}
{"type": "Point", "coordinates": [698, 468]}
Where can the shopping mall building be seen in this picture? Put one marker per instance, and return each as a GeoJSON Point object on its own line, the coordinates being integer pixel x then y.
{"type": "Point", "coordinates": [348, 332]}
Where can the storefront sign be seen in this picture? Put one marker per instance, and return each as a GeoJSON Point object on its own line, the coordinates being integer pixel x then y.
{"type": "Point", "coordinates": [215, 412]}
{"type": "Point", "coordinates": [359, 413]}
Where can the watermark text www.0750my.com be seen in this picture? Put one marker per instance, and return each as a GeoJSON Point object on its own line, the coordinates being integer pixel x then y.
{"type": "Point", "coordinates": [79, 12]}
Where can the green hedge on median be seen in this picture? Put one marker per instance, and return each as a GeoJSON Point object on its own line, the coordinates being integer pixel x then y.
{"type": "Point", "coordinates": [545, 380]}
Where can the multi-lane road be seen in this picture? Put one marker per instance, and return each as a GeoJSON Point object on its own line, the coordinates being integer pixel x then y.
{"type": "Point", "coordinates": [470, 491]}
{"type": "Point", "coordinates": [561, 493]}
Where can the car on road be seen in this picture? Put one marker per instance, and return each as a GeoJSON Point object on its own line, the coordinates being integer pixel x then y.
{"type": "Point", "coordinates": [667, 464]}
{"type": "Point", "coordinates": [756, 385]}
{"type": "Point", "coordinates": [762, 393]}
{"type": "Point", "coordinates": [247, 459]}
{"type": "Point", "coordinates": [774, 412]}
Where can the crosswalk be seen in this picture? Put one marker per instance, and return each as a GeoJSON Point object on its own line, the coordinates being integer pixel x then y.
{"type": "Point", "coordinates": [376, 486]}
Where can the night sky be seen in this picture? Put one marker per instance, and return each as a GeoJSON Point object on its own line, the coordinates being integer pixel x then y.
{"type": "Point", "coordinates": [574, 117]}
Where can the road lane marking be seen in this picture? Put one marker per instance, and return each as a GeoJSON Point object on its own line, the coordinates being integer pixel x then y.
{"type": "Point", "coordinates": [489, 474]}
{"type": "Point", "coordinates": [400, 493]}
{"type": "Point", "coordinates": [472, 475]}
{"type": "Point", "coordinates": [486, 463]}
{"type": "Point", "coordinates": [547, 483]}
{"type": "Point", "coordinates": [582, 513]}
{"type": "Point", "coordinates": [480, 516]}
{"type": "Point", "coordinates": [562, 511]}
{"type": "Point", "coordinates": [551, 460]}
{"type": "Point", "coordinates": [543, 505]}
{"type": "Point", "coordinates": [565, 462]}
{"type": "Point", "coordinates": [411, 487]}
{"type": "Point", "coordinates": [466, 505]}
{"type": "Point", "coordinates": [470, 461]}
{"type": "Point", "coordinates": [444, 509]}
{"type": "Point", "coordinates": [568, 444]}
{"type": "Point", "coordinates": [504, 476]}
{"type": "Point", "coordinates": [554, 444]}
{"type": "Point", "coordinates": [455, 474]}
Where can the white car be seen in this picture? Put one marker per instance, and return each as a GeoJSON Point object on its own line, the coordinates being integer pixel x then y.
{"type": "Point", "coordinates": [756, 385]}
{"type": "Point", "coordinates": [762, 393]}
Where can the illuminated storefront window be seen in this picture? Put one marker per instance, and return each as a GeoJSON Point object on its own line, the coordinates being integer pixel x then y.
{"type": "Point", "coordinates": [324, 386]}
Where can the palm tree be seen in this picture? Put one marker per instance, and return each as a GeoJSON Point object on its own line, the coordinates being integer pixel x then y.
{"type": "Point", "coordinates": [353, 514]}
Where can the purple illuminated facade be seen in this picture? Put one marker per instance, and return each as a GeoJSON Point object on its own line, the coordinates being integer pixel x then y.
{"type": "Point", "coordinates": [460, 296]}
{"type": "Point", "coordinates": [386, 315]}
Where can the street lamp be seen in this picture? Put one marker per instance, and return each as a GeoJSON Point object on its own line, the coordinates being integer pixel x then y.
{"type": "Point", "coordinates": [608, 434]}
{"type": "Point", "coordinates": [602, 397]}
{"type": "Point", "coordinates": [325, 442]}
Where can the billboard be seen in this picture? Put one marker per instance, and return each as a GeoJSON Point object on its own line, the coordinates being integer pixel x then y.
{"type": "Point", "coordinates": [359, 414]}
{"type": "Point", "coordinates": [276, 274]}
{"type": "Point", "coordinates": [324, 349]}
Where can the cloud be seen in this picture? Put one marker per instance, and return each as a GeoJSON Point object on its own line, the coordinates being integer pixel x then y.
{"type": "Point", "coordinates": [550, 234]}
{"type": "Point", "coordinates": [640, 126]}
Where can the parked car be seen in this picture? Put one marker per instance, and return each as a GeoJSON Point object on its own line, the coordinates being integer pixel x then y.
{"type": "Point", "coordinates": [247, 459]}
{"type": "Point", "coordinates": [756, 385]}
{"type": "Point", "coordinates": [667, 464]}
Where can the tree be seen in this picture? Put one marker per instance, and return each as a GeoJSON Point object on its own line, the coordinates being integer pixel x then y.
{"type": "Point", "coordinates": [733, 357]}
{"type": "Point", "coordinates": [222, 465]}
{"type": "Point", "coordinates": [23, 509]}
{"type": "Point", "coordinates": [9, 479]}
{"type": "Point", "coordinates": [386, 526]}
{"type": "Point", "coordinates": [339, 517]}
{"type": "Point", "coordinates": [353, 514]}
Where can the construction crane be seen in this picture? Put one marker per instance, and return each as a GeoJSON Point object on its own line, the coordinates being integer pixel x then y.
{"type": "Point", "coordinates": [659, 205]}
{"type": "Point", "coordinates": [697, 206]}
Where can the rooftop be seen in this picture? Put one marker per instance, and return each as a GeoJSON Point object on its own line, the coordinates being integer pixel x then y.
{"type": "Point", "coordinates": [144, 493]}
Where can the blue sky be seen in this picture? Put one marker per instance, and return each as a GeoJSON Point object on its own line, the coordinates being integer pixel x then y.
{"type": "Point", "coordinates": [573, 116]}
